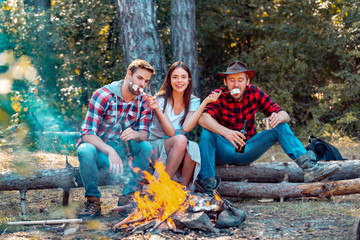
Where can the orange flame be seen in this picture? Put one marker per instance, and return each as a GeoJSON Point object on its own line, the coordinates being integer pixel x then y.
{"type": "Point", "coordinates": [163, 196]}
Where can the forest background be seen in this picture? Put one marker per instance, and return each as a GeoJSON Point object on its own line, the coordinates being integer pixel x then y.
{"type": "Point", "coordinates": [55, 53]}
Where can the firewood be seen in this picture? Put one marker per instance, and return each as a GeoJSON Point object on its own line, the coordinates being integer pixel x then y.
{"type": "Point", "coordinates": [172, 214]}
{"type": "Point", "coordinates": [275, 172]}
{"type": "Point", "coordinates": [144, 226]}
{"type": "Point", "coordinates": [124, 221]}
{"type": "Point", "coordinates": [125, 208]}
{"type": "Point", "coordinates": [289, 190]}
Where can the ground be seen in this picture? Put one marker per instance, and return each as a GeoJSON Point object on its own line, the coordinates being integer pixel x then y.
{"type": "Point", "coordinates": [305, 218]}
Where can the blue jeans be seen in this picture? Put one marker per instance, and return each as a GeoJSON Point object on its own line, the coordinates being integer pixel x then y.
{"type": "Point", "coordinates": [91, 160]}
{"type": "Point", "coordinates": [214, 148]}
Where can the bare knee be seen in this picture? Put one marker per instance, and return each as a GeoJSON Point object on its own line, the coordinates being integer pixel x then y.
{"type": "Point", "coordinates": [180, 142]}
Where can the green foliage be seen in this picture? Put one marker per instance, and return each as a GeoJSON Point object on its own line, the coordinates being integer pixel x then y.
{"type": "Point", "coordinates": [305, 55]}
{"type": "Point", "coordinates": [75, 47]}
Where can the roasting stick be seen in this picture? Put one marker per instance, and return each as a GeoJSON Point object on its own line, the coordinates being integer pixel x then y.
{"type": "Point", "coordinates": [47, 222]}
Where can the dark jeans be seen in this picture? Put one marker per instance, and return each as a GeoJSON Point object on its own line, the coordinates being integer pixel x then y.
{"type": "Point", "coordinates": [214, 148]}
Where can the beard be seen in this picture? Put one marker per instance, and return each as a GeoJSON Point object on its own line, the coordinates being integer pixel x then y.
{"type": "Point", "coordinates": [133, 88]}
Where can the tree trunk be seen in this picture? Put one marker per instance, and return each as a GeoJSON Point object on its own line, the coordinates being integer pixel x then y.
{"type": "Point", "coordinates": [140, 37]}
{"type": "Point", "coordinates": [275, 172]}
{"type": "Point", "coordinates": [183, 37]}
{"type": "Point", "coordinates": [286, 190]}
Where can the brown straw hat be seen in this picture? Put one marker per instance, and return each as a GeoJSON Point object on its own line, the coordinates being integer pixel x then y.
{"type": "Point", "coordinates": [237, 67]}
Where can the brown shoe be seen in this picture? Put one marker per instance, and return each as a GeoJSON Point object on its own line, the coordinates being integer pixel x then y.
{"type": "Point", "coordinates": [92, 208]}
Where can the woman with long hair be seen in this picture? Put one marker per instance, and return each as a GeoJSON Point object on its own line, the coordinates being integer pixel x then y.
{"type": "Point", "coordinates": [177, 111]}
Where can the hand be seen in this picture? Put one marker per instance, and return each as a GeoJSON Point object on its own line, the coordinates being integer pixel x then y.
{"type": "Point", "coordinates": [153, 103]}
{"type": "Point", "coordinates": [235, 137]}
{"type": "Point", "coordinates": [213, 96]}
{"type": "Point", "coordinates": [275, 119]}
{"type": "Point", "coordinates": [116, 164]}
{"type": "Point", "coordinates": [129, 134]}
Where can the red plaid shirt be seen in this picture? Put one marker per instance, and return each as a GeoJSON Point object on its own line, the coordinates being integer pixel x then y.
{"type": "Point", "coordinates": [231, 113]}
{"type": "Point", "coordinates": [107, 111]}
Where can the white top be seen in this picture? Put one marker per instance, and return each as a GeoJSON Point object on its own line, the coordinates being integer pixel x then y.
{"type": "Point", "coordinates": [156, 131]}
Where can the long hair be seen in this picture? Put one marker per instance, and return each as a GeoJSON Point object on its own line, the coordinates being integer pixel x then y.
{"type": "Point", "coordinates": [166, 90]}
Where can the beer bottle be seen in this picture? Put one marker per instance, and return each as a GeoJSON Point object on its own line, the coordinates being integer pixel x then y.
{"type": "Point", "coordinates": [240, 149]}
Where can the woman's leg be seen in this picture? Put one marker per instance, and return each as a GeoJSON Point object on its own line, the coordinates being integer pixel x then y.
{"type": "Point", "coordinates": [175, 148]}
{"type": "Point", "coordinates": [187, 170]}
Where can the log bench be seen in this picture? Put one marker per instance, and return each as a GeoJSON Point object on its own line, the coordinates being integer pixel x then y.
{"type": "Point", "coordinates": [279, 180]}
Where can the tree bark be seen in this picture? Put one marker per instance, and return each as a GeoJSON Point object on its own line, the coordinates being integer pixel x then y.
{"type": "Point", "coordinates": [140, 37]}
{"type": "Point", "coordinates": [275, 172]}
{"type": "Point", "coordinates": [183, 37]}
{"type": "Point", "coordinates": [286, 190]}
{"type": "Point", "coordinates": [51, 178]}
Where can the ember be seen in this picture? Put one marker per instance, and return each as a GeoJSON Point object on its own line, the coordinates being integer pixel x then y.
{"type": "Point", "coordinates": [165, 199]}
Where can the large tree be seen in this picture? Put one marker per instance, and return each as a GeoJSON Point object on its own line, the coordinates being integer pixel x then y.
{"type": "Point", "coordinates": [183, 36]}
{"type": "Point", "coordinates": [140, 37]}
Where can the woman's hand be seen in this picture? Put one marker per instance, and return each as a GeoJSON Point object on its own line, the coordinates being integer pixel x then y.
{"type": "Point", "coordinates": [153, 103]}
{"type": "Point", "coordinates": [213, 96]}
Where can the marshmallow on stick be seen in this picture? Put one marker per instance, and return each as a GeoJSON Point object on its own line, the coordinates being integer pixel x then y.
{"type": "Point", "coordinates": [235, 91]}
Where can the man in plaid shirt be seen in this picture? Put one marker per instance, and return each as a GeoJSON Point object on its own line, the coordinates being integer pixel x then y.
{"type": "Point", "coordinates": [114, 134]}
{"type": "Point", "coordinates": [222, 121]}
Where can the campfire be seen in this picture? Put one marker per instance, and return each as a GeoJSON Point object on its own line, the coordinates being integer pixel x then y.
{"type": "Point", "coordinates": [166, 205]}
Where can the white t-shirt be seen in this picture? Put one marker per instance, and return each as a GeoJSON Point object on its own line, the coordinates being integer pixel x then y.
{"type": "Point", "coordinates": [156, 131]}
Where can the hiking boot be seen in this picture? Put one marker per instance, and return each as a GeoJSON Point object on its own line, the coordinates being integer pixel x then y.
{"type": "Point", "coordinates": [92, 208]}
{"type": "Point", "coordinates": [314, 171]}
{"type": "Point", "coordinates": [209, 184]}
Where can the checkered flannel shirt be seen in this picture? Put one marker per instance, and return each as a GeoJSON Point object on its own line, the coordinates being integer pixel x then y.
{"type": "Point", "coordinates": [231, 113]}
{"type": "Point", "coordinates": [107, 112]}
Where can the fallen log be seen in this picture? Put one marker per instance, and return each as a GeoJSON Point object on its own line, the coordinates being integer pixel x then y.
{"type": "Point", "coordinates": [65, 178]}
{"type": "Point", "coordinates": [285, 190]}
{"type": "Point", "coordinates": [274, 172]}
{"type": "Point", "coordinates": [68, 177]}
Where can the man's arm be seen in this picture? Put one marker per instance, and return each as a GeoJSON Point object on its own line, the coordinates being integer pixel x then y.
{"type": "Point", "coordinates": [235, 137]}
{"type": "Point", "coordinates": [116, 164]}
{"type": "Point", "coordinates": [130, 134]}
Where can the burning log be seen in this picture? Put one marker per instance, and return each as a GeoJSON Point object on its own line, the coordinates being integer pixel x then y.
{"type": "Point", "coordinates": [289, 190]}
{"type": "Point", "coordinates": [275, 172]}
